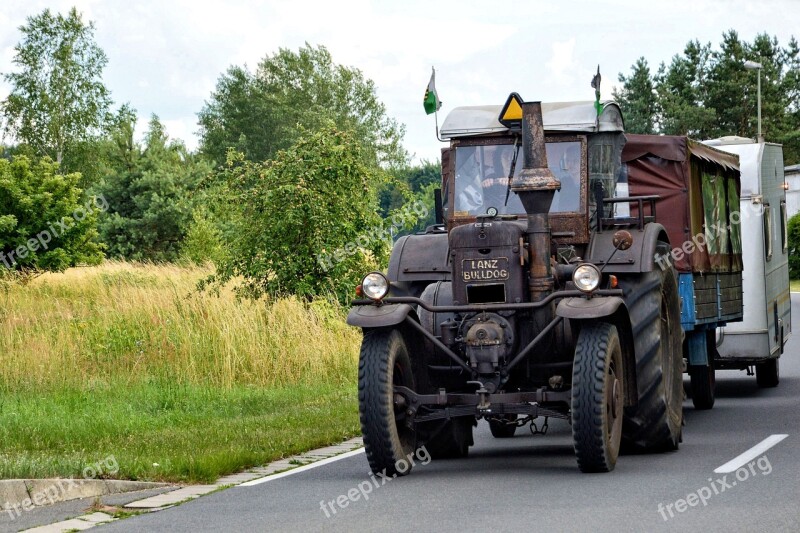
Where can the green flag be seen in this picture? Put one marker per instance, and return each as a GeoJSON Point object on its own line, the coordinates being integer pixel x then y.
{"type": "Point", "coordinates": [596, 86]}
{"type": "Point", "coordinates": [431, 101]}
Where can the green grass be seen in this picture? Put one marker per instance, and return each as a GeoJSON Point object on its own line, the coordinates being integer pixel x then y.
{"type": "Point", "coordinates": [164, 432]}
{"type": "Point", "coordinates": [794, 285]}
{"type": "Point", "coordinates": [130, 361]}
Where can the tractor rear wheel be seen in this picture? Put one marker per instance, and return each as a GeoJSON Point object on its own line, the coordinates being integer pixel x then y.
{"type": "Point", "coordinates": [656, 422]}
{"type": "Point", "coordinates": [452, 439]}
{"type": "Point", "coordinates": [500, 427]}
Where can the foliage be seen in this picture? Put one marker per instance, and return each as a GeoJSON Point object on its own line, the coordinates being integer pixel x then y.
{"type": "Point", "coordinates": [45, 224]}
{"type": "Point", "coordinates": [150, 192]}
{"type": "Point", "coordinates": [637, 97]}
{"type": "Point", "coordinates": [413, 185]}
{"type": "Point", "coordinates": [794, 246]}
{"type": "Point", "coordinates": [57, 96]}
{"type": "Point", "coordinates": [204, 240]}
{"type": "Point", "coordinates": [305, 222]}
{"type": "Point", "coordinates": [258, 113]}
{"type": "Point", "coordinates": [707, 93]}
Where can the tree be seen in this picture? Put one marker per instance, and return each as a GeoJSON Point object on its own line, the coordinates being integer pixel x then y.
{"type": "Point", "coordinates": [707, 93]}
{"type": "Point", "coordinates": [258, 113]}
{"type": "Point", "coordinates": [57, 97]}
{"type": "Point", "coordinates": [150, 191]}
{"type": "Point", "coordinates": [637, 99]}
{"type": "Point", "coordinates": [306, 222]}
{"type": "Point", "coordinates": [681, 90]}
{"type": "Point", "coordinates": [46, 224]}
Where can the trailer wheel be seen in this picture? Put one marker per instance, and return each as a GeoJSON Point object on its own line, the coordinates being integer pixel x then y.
{"type": "Point", "coordinates": [656, 422]}
{"type": "Point", "coordinates": [452, 439]}
{"type": "Point", "coordinates": [501, 430]}
{"type": "Point", "coordinates": [384, 363]}
{"type": "Point", "coordinates": [597, 397]}
{"type": "Point", "coordinates": [703, 378]}
{"type": "Point", "coordinates": [768, 373]}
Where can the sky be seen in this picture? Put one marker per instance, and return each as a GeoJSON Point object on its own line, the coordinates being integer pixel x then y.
{"type": "Point", "coordinates": [165, 57]}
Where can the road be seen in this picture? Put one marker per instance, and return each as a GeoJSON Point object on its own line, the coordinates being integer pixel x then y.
{"type": "Point", "coordinates": [532, 483]}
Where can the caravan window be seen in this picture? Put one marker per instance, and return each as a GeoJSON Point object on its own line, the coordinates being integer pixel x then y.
{"type": "Point", "coordinates": [784, 235]}
{"type": "Point", "coordinates": [768, 231]}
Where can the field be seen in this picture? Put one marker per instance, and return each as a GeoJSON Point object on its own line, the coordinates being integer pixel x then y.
{"type": "Point", "coordinates": [132, 361]}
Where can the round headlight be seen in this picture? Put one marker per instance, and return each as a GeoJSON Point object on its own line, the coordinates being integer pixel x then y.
{"type": "Point", "coordinates": [586, 277]}
{"type": "Point", "coordinates": [375, 285]}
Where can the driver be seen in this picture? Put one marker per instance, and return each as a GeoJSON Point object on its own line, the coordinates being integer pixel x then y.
{"type": "Point", "coordinates": [495, 181]}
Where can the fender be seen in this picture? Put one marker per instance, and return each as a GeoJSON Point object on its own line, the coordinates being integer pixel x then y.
{"type": "Point", "coordinates": [587, 308]}
{"type": "Point", "coordinates": [640, 257]}
{"type": "Point", "coordinates": [378, 316]}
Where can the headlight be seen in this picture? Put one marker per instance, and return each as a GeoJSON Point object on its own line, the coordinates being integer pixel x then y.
{"type": "Point", "coordinates": [586, 277]}
{"type": "Point", "coordinates": [375, 286]}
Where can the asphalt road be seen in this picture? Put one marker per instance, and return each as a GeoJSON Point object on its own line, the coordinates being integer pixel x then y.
{"type": "Point", "coordinates": [532, 483]}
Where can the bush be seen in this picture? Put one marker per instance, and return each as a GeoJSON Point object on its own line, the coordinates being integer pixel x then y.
{"type": "Point", "coordinates": [794, 247]}
{"type": "Point", "coordinates": [45, 224]}
{"type": "Point", "coordinates": [306, 223]}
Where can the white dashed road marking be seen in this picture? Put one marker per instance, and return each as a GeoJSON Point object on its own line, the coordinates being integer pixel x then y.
{"type": "Point", "coordinates": [757, 450]}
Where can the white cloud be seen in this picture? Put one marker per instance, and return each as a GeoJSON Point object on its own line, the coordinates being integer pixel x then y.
{"type": "Point", "coordinates": [562, 63]}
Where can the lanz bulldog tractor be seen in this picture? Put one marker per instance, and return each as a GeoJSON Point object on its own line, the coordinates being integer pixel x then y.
{"type": "Point", "coordinates": [537, 295]}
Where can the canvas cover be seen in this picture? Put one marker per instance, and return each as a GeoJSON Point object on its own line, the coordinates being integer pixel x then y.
{"type": "Point", "coordinates": [699, 189]}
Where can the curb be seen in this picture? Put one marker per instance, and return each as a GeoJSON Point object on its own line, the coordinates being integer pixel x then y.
{"type": "Point", "coordinates": [20, 487]}
{"type": "Point", "coordinates": [29, 493]}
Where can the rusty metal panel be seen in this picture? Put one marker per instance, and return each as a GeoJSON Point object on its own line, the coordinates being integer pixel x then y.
{"type": "Point", "coordinates": [486, 260]}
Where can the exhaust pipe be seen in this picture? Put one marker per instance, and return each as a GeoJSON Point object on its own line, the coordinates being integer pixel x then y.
{"type": "Point", "coordinates": [536, 185]}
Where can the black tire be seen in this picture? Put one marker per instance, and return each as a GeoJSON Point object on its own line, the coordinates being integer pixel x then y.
{"type": "Point", "coordinates": [384, 362]}
{"type": "Point", "coordinates": [597, 397]}
{"type": "Point", "coordinates": [768, 373]}
{"type": "Point", "coordinates": [501, 430]}
{"type": "Point", "coordinates": [703, 383]}
{"type": "Point", "coordinates": [656, 422]}
{"type": "Point", "coordinates": [452, 439]}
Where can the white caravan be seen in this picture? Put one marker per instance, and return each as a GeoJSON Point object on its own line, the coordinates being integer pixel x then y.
{"type": "Point", "coordinates": [759, 339]}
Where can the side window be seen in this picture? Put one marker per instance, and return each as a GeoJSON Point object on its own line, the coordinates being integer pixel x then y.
{"type": "Point", "coordinates": [784, 225]}
{"type": "Point", "coordinates": [768, 232]}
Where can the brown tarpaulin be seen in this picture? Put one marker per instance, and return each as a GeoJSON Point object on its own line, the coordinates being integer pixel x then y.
{"type": "Point", "coordinates": [698, 186]}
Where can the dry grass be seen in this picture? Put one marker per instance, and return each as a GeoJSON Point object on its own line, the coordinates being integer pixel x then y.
{"type": "Point", "coordinates": [130, 360]}
{"type": "Point", "coordinates": [125, 323]}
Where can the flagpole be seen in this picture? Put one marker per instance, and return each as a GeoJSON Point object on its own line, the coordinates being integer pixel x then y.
{"type": "Point", "coordinates": [436, 118]}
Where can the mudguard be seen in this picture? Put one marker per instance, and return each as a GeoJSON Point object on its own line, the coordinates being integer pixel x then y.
{"type": "Point", "coordinates": [586, 308]}
{"type": "Point", "coordinates": [378, 316]}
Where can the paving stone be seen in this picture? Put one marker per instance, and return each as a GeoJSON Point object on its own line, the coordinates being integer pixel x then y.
{"type": "Point", "coordinates": [97, 518]}
{"type": "Point", "coordinates": [175, 496]}
{"type": "Point", "coordinates": [66, 525]}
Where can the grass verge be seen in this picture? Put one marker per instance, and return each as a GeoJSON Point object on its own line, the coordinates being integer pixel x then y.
{"type": "Point", "coordinates": [165, 432]}
{"type": "Point", "coordinates": [130, 361]}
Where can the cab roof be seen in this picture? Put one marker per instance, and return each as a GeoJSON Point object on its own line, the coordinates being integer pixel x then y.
{"type": "Point", "coordinates": [579, 117]}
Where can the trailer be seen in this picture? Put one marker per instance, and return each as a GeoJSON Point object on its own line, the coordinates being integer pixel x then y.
{"type": "Point", "coordinates": [759, 340]}
{"type": "Point", "coordinates": [698, 189]}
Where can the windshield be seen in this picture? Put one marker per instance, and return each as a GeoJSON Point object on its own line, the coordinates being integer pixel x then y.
{"type": "Point", "coordinates": [482, 178]}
